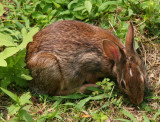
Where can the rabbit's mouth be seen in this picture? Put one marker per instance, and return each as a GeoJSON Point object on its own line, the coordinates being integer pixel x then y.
{"type": "Point", "coordinates": [136, 99]}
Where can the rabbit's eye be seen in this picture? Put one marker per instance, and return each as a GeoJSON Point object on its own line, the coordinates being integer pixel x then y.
{"type": "Point", "coordinates": [123, 85]}
{"type": "Point", "coordinates": [132, 59]}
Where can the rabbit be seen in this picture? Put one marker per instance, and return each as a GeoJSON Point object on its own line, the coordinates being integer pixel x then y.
{"type": "Point", "coordinates": [68, 56]}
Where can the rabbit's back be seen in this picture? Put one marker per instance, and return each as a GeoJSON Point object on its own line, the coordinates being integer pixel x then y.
{"type": "Point", "coordinates": [71, 37]}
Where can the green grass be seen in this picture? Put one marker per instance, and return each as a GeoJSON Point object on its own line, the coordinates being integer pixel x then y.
{"type": "Point", "coordinates": [20, 20]}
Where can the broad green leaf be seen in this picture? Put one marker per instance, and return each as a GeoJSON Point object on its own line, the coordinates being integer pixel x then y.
{"type": "Point", "coordinates": [78, 16]}
{"type": "Point", "coordinates": [88, 6]}
{"type": "Point", "coordinates": [101, 117]}
{"type": "Point", "coordinates": [130, 12]}
{"type": "Point", "coordinates": [38, 15]}
{"type": "Point", "coordinates": [106, 4]}
{"type": "Point", "coordinates": [67, 12]}
{"type": "Point", "coordinates": [82, 102]}
{"type": "Point", "coordinates": [25, 98]}
{"type": "Point", "coordinates": [95, 89]}
{"type": "Point", "coordinates": [8, 52]}
{"type": "Point", "coordinates": [31, 33]}
{"type": "Point", "coordinates": [1, 117]}
{"type": "Point", "coordinates": [146, 107]}
{"type": "Point", "coordinates": [3, 63]}
{"type": "Point", "coordinates": [58, 117]}
{"type": "Point", "coordinates": [56, 5]}
{"type": "Point", "coordinates": [152, 96]}
{"type": "Point", "coordinates": [17, 3]}
{"type": "Point", "coordinates": [10, 94]}
{"type": "Point", "coordinates": [1, 9]}
{"type": "Point", "coordinates": [129, 115]}
{"type": "Point", "coordinates": [73, 96]}
{"type": "Point", "coordinates": [136, 45]}
{"type": "Point", "coordinates": [6, 80]}
{"type": "Point", "coordinates": [20, 82]}
{"type": "Point", "coordinates": [18, 60]}
{"type": "Point", "coordinates": [85, 100]}
{"type": "Point", "coordinates": [57, 103]}
{"type": "Point", "coordinates": [27, 22]}
{"type": "Point", "coordinates": [145, 4]}
{"type": "Point", "coordinates": [79, 8]}
{"type": "Point", "coordinates": [2, 29]}
{"type": "Point", "coordinates": [51, 115]}
{"type": "Point", "coordinates": [27, 77]}
{"type": "Point", "coordinates": [145, 118]}
{"type": "Point", "coordinates": [24, 32]}
{"type": "Point", "coordinates": [27, 37]}
{"type": "Point", "coordinates": [157, 114]}
{"type": "Point", "coordinates": [13, 109]}
{"type": "Point", "coordinates": [104, 106]}
{"type": "Point", "coordinates": [19, 24]}
{"type": "Point", "coordinates": [53, 13]}
{"type": "Point", "coordinates": [157, 20]}
{"type": "Point", "coordinates": [123, 120]}
{"type": "Point", "coordinates": [99, 97]}
{"type": "Point", "coordinates": [27, 107]}
{"type": "Point", "coordinates": [69, 104]}
{"type": "Point", "coordinates": [47, 116]}
{"type": "Point", "coordinates": [84, 11]}
{"type": "Point", "coordinates": [48, 8]}
{"type": "Point", "coordinates": [71, 3]}
{"type": "Point", "coordinates": [25, 116]}
{"type": "Point", "coordinates": [14, 119]}
{"type": "Point", "coordinates": [48, 1]}
{"type": "Point", "coordinates": [6, 40]}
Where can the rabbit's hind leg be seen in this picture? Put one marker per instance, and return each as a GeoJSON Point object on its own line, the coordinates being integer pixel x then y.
{"type": "Point", "coordinates": [45, 70]}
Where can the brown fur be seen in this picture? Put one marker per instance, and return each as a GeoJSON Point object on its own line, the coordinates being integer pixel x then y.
{"type": "Point", "coordinates": [65, 54]}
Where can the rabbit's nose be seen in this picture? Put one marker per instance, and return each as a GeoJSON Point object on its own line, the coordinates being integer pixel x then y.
{"type": "Point", "coordinates": [139, 100]}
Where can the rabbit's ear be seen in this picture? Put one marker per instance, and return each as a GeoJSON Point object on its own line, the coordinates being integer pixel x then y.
{"type": "Point", "coordinates": [129, 44]}
{"type": "Point", "coordinates": [112, 50]}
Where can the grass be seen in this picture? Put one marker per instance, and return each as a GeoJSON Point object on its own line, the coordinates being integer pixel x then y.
{"type": "Point", "coordinates": [19, 21]}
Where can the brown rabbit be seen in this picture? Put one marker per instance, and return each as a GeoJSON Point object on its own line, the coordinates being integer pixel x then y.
{"type": "Point", "coordinates": [65, 54]}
